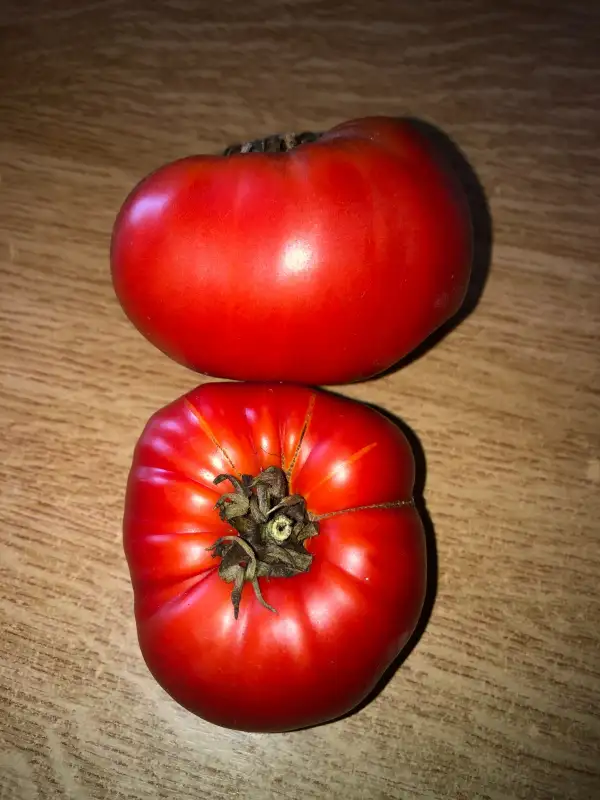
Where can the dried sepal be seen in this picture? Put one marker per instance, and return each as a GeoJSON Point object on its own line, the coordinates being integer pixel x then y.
{"type": "Point", "coordinates": [272, 527]}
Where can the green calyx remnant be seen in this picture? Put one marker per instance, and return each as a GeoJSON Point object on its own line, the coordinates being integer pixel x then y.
{"type": "Point", "coordinates": [277, 143]}
{"type": "Point", "coordinates": [272, 528]}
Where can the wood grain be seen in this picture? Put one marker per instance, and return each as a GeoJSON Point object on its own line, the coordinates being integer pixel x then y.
{"type": "Point", "coordinates": [500, 698]}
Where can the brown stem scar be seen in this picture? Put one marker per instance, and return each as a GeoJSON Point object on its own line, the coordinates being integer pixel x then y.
{"type": "Point", "coordinates": [272, 527]}
{"type": "Point", "coordinates": [276, 143]}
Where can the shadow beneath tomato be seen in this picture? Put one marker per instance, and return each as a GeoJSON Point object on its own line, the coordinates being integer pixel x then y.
{"type": "Point", "coordinates": [452, 156]}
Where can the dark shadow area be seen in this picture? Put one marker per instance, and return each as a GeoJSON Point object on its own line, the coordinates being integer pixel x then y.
{"type": "Point", "coordinates": [453, 158]}
{"type": "Point", "coordinates": [432, 562]}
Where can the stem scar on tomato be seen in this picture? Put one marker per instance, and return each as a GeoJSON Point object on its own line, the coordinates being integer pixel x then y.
{"type": "Point", "coordinates": [277, 143]}
{"type": "Point", "coordinates": [272, 528]}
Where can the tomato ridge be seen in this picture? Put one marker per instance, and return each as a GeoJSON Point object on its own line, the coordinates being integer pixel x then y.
{"type": "Point", "coordinates": [309, 414]}
{"type": "Point", "coordinates": [410, 503]}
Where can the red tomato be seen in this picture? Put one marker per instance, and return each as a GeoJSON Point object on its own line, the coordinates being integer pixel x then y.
{"type": "Point", "coordinates": [339, 537]}
{"type": "Point", "coordinates": [324, 264]}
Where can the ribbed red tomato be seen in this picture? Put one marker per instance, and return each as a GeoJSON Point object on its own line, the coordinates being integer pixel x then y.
{"type": "Point", "coordinates": [313, 537]}
{"type": "Point", "coordinates": [323, 264]}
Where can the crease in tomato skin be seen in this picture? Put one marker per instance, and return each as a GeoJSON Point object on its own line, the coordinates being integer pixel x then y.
{"type": "Point", "coordinates": [154, 584]}
{"type": "Point", "coordinates": [408, 503]}
{"type": "Point", "coordinates": [166, 454]}
{"type": "Point", "coordinates": [310, 410]}
{"type": "Point", "coordinates": [178, 530]}
{"type": "Point", "coordinates": [160, 601]}
{"type": "Point", "coordinates": [150, 492]}
{"type": "Point", "coordinates": [183, 475]}
{"type": "Point", "coordinates": [171, 554]}
{"type": "Point", "coordinates": [208, 430]}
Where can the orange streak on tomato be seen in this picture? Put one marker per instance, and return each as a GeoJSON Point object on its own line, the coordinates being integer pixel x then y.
{"type": "Point", "coordinates": [351, 460]}
{"type": "Point", "coordinates": [209, 432]}
{"type": "Point", "coordinates": [309, 414]}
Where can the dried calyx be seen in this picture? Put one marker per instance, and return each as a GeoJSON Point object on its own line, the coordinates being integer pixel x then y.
{"type": "Point", "coordinates": [272, 527]}
{"type": "Point", "coordinates": [277, 143]}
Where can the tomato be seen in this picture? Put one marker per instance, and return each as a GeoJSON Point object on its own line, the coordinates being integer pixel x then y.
{"type": "Point", "coordinates": [277, 559]}
{"type": "Point", "coordinates": [323, 264]}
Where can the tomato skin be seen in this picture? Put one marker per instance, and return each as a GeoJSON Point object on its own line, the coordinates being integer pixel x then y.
{"type": "Point", "coordinates": [323, 265]}
{"type": "Point", "coordinates": [339, 625]}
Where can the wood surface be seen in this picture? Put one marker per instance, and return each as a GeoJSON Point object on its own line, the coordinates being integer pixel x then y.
{"type": "Point", "coordinates": [500, 696]}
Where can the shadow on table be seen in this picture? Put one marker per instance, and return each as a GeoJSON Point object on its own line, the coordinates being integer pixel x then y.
{"type": "Point", "coordinates": [482, 253]}
{"type": "Point", "coordinates": [452, 156]}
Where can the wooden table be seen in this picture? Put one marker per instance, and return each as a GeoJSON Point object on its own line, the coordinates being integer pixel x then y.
{"type": "Point", "coordinates": [500, 697]}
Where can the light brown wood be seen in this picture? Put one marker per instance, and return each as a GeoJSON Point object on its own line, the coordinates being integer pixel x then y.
{"type": "Point", "coordinates": [500, 698]}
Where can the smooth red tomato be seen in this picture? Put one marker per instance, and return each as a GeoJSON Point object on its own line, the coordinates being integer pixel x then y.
{"type": "Point", "coordinates": [324, 264]}
{"type": "Point", "coordinates": [322, 557]}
